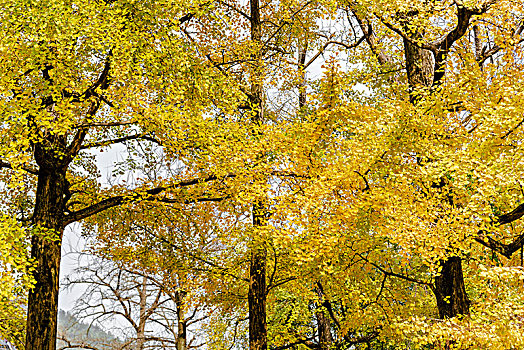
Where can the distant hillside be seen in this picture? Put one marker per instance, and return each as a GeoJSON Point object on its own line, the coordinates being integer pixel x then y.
{"type": "Point", "coordinates": [79, 334]}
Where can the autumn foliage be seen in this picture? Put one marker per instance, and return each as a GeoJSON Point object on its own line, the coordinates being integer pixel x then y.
{"type": "Point", "coordinates": [302, 174]}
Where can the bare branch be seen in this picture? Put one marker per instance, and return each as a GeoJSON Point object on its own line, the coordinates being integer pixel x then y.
{"type": "Point", "coordinates": [329, 42]}
{"type": "Point", "coordinates": [70, 345]}
{"type": "Point", "coordinates": [223, 270]}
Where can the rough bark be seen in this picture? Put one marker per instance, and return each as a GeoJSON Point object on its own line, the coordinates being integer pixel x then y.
{"type": "Point", "coordinates": [257, 301]}
{"type": "Point", "coordinates": [257, 268]}
{"type": "Point", "coordinates": [452, 299]}
{"type": "Point", "coordinates": [302, 93]}
{"type": "Point", "coordinates": [181, 340]}
{"type": "Point", "coordinates": [325, 339]}
{"type": "Point", "coordinates": [47, 220]}
{"type": "Point", "coordinates": [419, 68]}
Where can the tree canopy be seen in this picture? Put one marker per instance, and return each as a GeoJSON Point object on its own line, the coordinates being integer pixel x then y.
{"type": "Point", "coordinates": [294, 174]}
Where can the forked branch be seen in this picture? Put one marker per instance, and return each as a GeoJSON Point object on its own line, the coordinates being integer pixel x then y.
{"type": "Point", "coordinates": [506, 250]}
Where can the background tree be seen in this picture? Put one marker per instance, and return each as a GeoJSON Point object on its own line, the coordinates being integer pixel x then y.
{"type": "Point", "coordinates": [145, 310]}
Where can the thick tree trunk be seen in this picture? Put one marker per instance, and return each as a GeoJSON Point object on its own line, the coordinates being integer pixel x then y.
{"type": "Point", "coordinates": [181, 340]}
{"type": "Point", "coordinates": [419, 66]}
{"type": "Point", "coordinates": [257, 289]}
{"type": "Point", "coordinates": [257, 268]}
{"type": "Point", "coordinates": [47, 219]}
{"type": "Point", "coordinates": [325, 339]}
{"type": "Point", "coordinates": [452, 299]}
{"type": "Point", "coordinates": [450, 292]}
{"type": "Point", "coordinates": [257, 301]}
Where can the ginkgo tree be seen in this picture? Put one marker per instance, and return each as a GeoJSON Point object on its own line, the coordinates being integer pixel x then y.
{"type": "Point", "coordinates": [438, 151]}
{"type": "Point", "coordinates": [81, 76]}
{"type": "Point", "coordinates": [78, 77]}
{"type": "Point", "coordinates": [397, 196]}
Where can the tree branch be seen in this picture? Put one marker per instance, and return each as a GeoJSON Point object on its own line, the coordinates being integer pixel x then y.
{"type": "Point", "coordinates": [394, 274]}
{"type": "Point", "coordinates": [362, 339]}
{"type": "Point", "coordinates": [103, 78]}
{"type": "Point", "coordinates": [329, 42]}
{"type": "Point", "coordinates": [223, 270]}
{"type": "Point", "coordinates": [27, 168]}
{"type": "Point", "coordinates": [135, 196]}
{"type": "Point", "coordinates": [444, 44]}
{"type": "Point", "coordinates": [426, 46]}
{"type": "Point", "coordinates": [485, 53]}
{"type": "Point", "coordinates": [367, 30]}
{"type": "Point", "coordinates": [506, 250]}
{"type": "Point", "coordinates": [92, 125]}
{"type": "Point", "coordinates": [70, 345]}
{"type": "Point", "coordinates": [80, 135]}
{"type": "Point", "coordinates": [306, 341]}
{"type": "Point", "coordinates": [119, 140]}
{"type": "Point", "coordinates": [236, 9]}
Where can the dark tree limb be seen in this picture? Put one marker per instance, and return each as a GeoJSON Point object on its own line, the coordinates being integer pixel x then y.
{"type": "Point", "coordinates": [135, 196]}
{"type": "Point", "coordinates": [348, 341]}
{"type": "Point", "coordinates": [103, 79]}
{"type": "Point", "coordinates": [103, 124]}
{"type": "Point", "coordinates": [236, 9]}
{"type": "Point", "coordinates": [394, 274]}
{"type": "Point", "coordinates": [506, 250]}
{"type": "Point", "coordinates": [78, 139]}
{"type": "Point", "coordinates": [120, 140]}
{"type": "Point", "coordinates": [371, 39]}
{"type": "Point", "coordinates": [27, 168]}
{"type": "Point", "coordinates": [306, 341]}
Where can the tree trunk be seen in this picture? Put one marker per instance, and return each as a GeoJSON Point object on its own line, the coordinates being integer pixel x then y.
{"type": "Point", "coordinates": [257, 288]}
{"type": "Point", "coordinates": [450, 292]}
{"type": "Point", "coordinates": [257, 267]}
{"type": "Point", "coordinates": [257, 300]}
{"type": "Point", "coordinates": [47, 219]}
{"type": "Point", "coordinates": [419, 65]}
{"type": "Point", "coordinates": [325, 339]}
{"type": "Point", "coordinates": [181, 340]}
{"type": "Point", "coordinates": [419, 68]}
{"type": "Point", "coordinates": [141, 331]}
{"type": "Point", "coordinates": [302, 92]}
